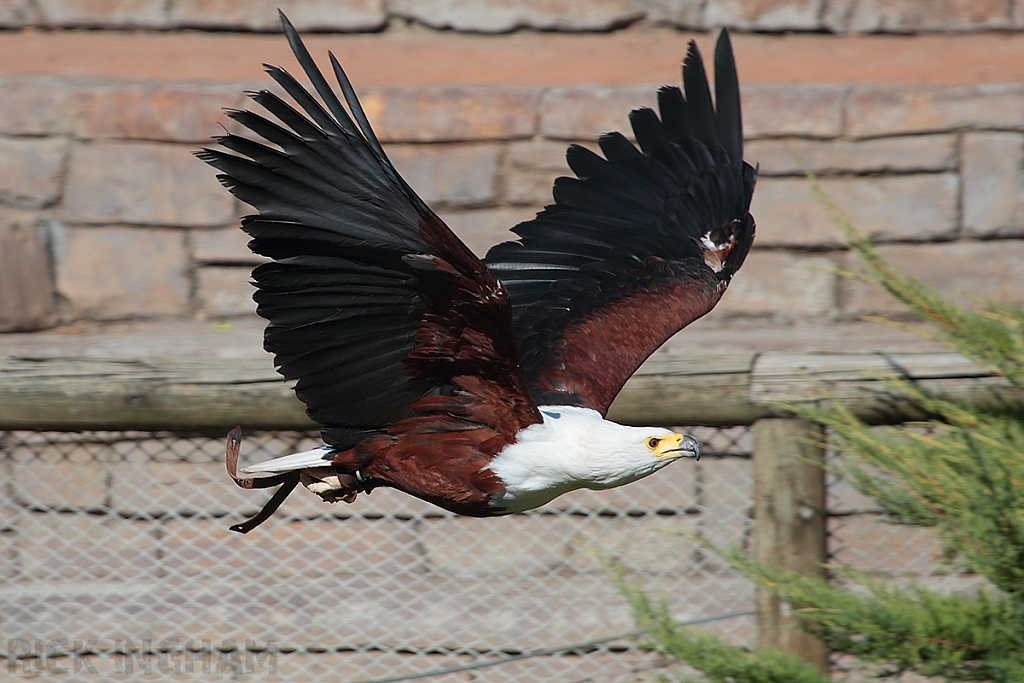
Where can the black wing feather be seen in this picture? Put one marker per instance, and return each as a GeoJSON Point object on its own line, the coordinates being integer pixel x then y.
{"type": "Point", "coordinates": [359, 263]}
{"type": "Point", "coordinates": [727, 98]}
{"type": "Point", "coordinates": [357, 109]}
{"type": "Point", "coordinates": [341, 117]}
{"type": "Point", "coordinates": [699, 111]}
{"type": "Point", "coordinates": [666, 224]}
{"type": "Point", "coordinates": [673, 117]}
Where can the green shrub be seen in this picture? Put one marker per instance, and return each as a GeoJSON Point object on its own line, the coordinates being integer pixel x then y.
{"type": "Point", "coordinates": [964, 476]}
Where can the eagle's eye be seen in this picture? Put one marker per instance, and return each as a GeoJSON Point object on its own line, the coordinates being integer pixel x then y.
{"type": "Point", "coordinates": [653, 442]}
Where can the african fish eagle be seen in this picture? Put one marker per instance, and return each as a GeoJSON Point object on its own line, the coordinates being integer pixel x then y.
{"type": "Point", "coordinates": [480, 386]}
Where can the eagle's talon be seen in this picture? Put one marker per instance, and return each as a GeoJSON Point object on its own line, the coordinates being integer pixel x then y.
{"type": "Point", "coordinates": [329, 484]}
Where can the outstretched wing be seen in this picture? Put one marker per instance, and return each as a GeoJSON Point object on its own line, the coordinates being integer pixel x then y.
{"type": "Point", "coordinates": [640, 244]}
{"type": "Point", "coordinates": [375, 306]}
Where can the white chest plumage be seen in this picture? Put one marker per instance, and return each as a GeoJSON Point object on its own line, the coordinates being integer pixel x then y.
{"type": "Point", "coordinates": [573, 448]}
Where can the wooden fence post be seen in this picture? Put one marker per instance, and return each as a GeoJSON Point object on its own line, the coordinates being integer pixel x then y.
{"type": "Point", "coordinates": [789, 523]}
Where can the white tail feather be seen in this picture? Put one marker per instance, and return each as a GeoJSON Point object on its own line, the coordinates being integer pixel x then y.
{"type": "Point", "coordinates": [318, 457]}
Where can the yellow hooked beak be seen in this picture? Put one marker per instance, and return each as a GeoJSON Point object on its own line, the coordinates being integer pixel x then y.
{"type": "Point", "coordinates": [675, 446]}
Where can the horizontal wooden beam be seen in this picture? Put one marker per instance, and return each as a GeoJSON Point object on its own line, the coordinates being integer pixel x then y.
{"type": "Point", "coordinates": [735, 389]}
{"type": "Point", "coordinates": [86, 393]}
{"type": "Point", "coordinates": [670, 389]}
{"type": "Point", "coordinates": [863, 382]}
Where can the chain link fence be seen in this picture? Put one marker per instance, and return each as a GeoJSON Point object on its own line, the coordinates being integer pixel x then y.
{"type": "Point", "coordinates": [118, 561]}
{"type": "Point", "coordinates": [862, 538]}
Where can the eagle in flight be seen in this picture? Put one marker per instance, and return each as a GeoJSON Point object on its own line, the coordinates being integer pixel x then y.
{"type": "Point", "coordinates": [480, 386]}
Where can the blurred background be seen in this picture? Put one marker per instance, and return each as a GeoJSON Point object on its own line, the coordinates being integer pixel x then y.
{"type": "Point", "coordinates": [116, 244]}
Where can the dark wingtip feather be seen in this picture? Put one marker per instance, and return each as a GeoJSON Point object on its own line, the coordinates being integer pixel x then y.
{"type": "Point", "coordinates": [361, 126]}
{"type": "Point", "coordinates": [649, 133]}
{"type": "Point", "coordinates": [699, 109]}
{"type": "Point", "coordinates": [315, 77]}
{"type": "Point", "coordinates": [357, 109]}
{"type": "Point", "coordinates": [728, 119]}
{"type": "Point", "coordinates": [294, 41]}
{"type": "Point", "coordinates": [673, 114]}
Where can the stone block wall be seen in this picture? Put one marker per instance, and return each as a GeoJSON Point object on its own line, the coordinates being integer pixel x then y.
{"type": "Point", "coordinates": [499, 16]}
{"type": "Point", "coordinates": [105, 215]}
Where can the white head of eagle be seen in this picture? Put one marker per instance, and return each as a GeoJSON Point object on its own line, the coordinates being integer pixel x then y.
{"type": "Point", "coordinates": [480, 385]}
{"type": "Point", "coordinates": [576, 448]}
